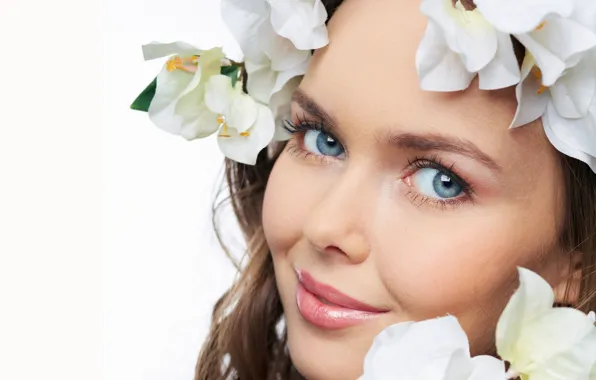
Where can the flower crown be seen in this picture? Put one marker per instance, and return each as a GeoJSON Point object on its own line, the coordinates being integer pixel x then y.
{"type": "Point", "coordinates": [199, 93]}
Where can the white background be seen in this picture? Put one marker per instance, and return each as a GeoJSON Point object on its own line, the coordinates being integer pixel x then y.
{"type": "Point", "coordinates": [108, 266]}
{"type": "Point", "coordinates": [164, 269]}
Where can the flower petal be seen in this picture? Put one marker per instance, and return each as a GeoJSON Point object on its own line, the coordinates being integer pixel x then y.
{"type": "Point", "coordinates": [248, 22]}
{"type": "Point", "coordinates": [585, 13]}
{"type": "Point", "coordinates": [516, 17]}
{"type": "Point", "coordinates": [170, 87]}
{"type": "Point", "coordinates": [465, 32]}
{"type": "Point", "coordinates": [203, 125]}
{"type": "Point", "coordinates": [303, 23]}
{"type": "Point", "coordinates": [219, 93]}
{"type": "Point", "coordinates": [563, 146]}
{"type": "Point", "coordinates": [531, 103]}
{"type": "Point", "coordinates": [245, 149]}
{"type": "Point", "coordinates": [209, 65]}
{"type": "Point", "coordinates": [560, 344]}
{"type": "Point", "coordinates": [439, 68]}
{"type": "Point", "coordinates": [487, 368]}
{"type": "Point", "coordinates": [155, 50]}
{"type": "Point", "coordinates": [533, 297]}
{"type": "Point", "coordinates": [503, 71]}
{"type": "Point", "coordinates": [241, 113]}
{"type": "Point", "coordinates": [577, 134]}
{"type": "Point", "coordinates": [261, 80]}
{"type": "Point", "coordinates": [280, 105]}
{"type": "Point", "coordinates": [577, 362]}
{"type": "Point", "coordinates": [284, 55]}
{"type": "Point", "coordinates": [381, 359]}
{"type": "Point", "coordinates": [574, 92]}
{"type": "Point", "coordinates": [435, 349]}
{"type": "Point", "coordinates": [552, 67]}
{"type": "Point", "coordinates": [565, 38]}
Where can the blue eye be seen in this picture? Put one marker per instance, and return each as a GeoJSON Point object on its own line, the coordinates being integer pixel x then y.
{"type": "Point", "coordinates": [437, 184]}
{"type": "Point", "coordinates": [322, 144]}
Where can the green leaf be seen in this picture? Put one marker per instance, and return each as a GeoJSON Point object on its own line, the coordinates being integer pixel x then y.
{"type": "Point", "coordinates": [143, 101]}
{"type": "Point", "coordinates": [232, 72]}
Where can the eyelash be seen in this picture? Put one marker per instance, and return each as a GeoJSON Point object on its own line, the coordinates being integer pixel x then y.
{"type": "Point", "coordinates": [297, 130]}
{"type": "Point", "coordinates": [435, 162]}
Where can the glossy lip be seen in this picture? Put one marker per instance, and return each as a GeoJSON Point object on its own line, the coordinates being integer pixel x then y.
{"type": "Point", "coordinates": [328, 308]}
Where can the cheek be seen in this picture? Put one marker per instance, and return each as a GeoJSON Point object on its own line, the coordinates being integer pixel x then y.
{"type": "Point", "coordinates": [293, 190]}
{"type": "Point", "coordinates": [456, 262]}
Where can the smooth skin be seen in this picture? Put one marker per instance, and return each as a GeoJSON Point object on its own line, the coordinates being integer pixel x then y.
{"type": "Point", "coordinates": [367, 221]}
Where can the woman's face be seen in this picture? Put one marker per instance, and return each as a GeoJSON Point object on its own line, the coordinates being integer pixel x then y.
{"type": "Point", "coordinates": [417, 204]}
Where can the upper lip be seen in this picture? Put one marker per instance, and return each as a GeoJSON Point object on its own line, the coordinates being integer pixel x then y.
{"type": "Point", "coordinates": [333, 295]}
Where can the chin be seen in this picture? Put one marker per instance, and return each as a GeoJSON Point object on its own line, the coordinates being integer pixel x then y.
{"type": "Point", "coordinates": [320, 356]}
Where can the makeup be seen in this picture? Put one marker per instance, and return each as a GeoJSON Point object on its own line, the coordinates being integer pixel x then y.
{"type": "Point", "coordinates": [328, 308]}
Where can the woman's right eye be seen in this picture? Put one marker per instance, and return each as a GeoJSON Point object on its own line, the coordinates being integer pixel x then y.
{"type": "Point", "coordinates": [322, 144]}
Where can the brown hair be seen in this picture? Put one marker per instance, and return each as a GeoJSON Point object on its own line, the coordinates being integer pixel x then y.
{"type": "Point", "coordinates": [244, 342]}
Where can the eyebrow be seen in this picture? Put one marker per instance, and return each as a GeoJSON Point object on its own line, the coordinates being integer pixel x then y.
{"type": "Point", "coordinates": [421, 142]}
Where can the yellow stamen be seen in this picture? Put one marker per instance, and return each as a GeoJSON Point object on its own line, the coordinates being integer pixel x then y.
{"type": "Point", "coordinates": [541, 89]}
{"type": "Point", "coordinates": [537, 72]}
{"type": "Point", "coordinates": [245, 134]}
{"type": "Point", "coordinates": [173, 63]}
{"type": "Point", "coordinates": [221, 120]}
{"type": "Point", "coordinates": [188, 64]}
{"type": "Point", "coordinates": [541, 25]}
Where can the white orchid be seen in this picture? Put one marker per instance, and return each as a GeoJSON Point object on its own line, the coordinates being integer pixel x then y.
{"type": "Point", "coordinates": [467, 38]}
{"type": "Point", "coordinates": [567, 108]}
{"type": "Point", "coordinates": [300, 21]}
{"type": "Point", "coordinates": [435, 349]}
{"type": "Point", "coordinates": [459, 44]}
{"type": "Point", "coordinates": [276, 37]}
{"type": "Point", "coordinates": [277, 32]}
{"type": "Point", "coordinates": [177, 106]}
{"type": "Point", "coordinates": [245, 126]}
{"type": "Point", "coordinates": [541, 342]}
{"type": "Point", "coordinates": [551, 30]}
{"type": "Point", "coordinates": [276, 89]}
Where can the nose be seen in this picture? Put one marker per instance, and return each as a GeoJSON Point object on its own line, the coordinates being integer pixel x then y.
{"type": "Point", "coordinates": [336, 227]}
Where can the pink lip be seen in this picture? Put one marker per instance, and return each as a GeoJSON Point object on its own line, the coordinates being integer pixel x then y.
{"type": "Point", "coordinates": [336, 311]}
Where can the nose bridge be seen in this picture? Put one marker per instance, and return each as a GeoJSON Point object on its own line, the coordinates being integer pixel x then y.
{"type": "Point", "coordinates": [338, 222]}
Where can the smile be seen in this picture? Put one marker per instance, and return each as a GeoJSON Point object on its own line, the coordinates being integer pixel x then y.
{"type": "Point", "coordinates": [327, 307]}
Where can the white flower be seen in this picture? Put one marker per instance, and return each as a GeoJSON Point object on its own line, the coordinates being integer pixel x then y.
{"type": "Point", "coordinates": [245, 126]}
{"type": "Point", "coordinates": [276, 37]}
{"type": "Point", "coordinates": [300, 21]}
{"type": "Point", "coordinates": [458, 45]}
{"type": "Point", "coordinates": [546, 28]}
{"type": "Point", "coordinates": [567, 108]}
{"type": "Point", "coordinates": [541, 342]}
{"type": "Point", "coordinates": [277, 32]}
{"type": "Point", "coordinates": [275, 89]}
{"type": "Point", "coordinates": [178, 105]}
{"type": "Point", "coordinates": [435, 349]}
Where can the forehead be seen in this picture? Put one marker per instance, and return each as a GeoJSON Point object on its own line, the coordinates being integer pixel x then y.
{"type": "Point", "coordinates": [366, 79]}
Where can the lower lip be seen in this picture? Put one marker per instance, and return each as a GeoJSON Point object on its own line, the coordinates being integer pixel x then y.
{"type": "Point", "coordinates": [330, 317]}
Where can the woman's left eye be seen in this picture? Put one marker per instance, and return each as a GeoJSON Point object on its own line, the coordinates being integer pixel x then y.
{"type": "Point", "coordinates": [437, 184]}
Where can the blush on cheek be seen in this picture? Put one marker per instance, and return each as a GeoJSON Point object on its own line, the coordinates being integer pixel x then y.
{"type": "Point", "coordinates": [293, 192]}
{"type": "Point", "coordinates": [439, 270]}
{"type": "Point", "coordinates": [285, 205]}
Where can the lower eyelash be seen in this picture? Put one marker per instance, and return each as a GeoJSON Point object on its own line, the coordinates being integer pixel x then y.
{"type": "Point", "coordinates": [435, 162]}
{"type": "Point", "coordinates": [294, 148]}
{"type": "Point", "coordinates": [421, 200]}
